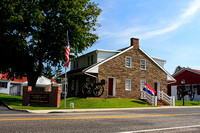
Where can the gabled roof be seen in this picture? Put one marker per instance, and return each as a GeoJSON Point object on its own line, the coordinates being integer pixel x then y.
{"type": "Point", "coordinates": [186, 69]}
{"type": "Point", "coordinates": [99, 63]}
{"type": "Point", "coordinates": [53, 80]}
{"type": "Point", "coordinates": [96, 65]}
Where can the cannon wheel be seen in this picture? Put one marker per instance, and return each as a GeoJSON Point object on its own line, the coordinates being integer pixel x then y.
{"type": "Point", "coordinates": [191, 94]}
{"type": "Point", "coordinates": [179, 95]}
{"type": "Point", "coordinates": [98, 89]}
{"type": "Point", "coordinates": [87, 88]}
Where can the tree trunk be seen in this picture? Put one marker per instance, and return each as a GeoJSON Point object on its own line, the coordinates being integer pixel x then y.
{"type": "Point", "coordinates": [32, 81]}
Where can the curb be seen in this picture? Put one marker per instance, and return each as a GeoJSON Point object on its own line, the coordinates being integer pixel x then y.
{"type": "Point", "coordinates": [7, 106]}
{"type": "Point", "coordinates": [107, 109]}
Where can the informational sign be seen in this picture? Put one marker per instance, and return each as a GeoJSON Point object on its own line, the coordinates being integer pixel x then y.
{"type": "Point", "coordinates": [39, 98]}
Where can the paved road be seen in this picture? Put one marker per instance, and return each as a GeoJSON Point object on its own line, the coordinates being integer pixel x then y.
{"type": "Point", "coordinates": [156, 120]}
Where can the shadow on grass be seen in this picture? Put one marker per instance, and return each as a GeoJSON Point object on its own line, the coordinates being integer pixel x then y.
{"type": "Point", "coordinates": [195, 104]}
{"type": "Point", "coordinates": [71, 98]}
{"type": "Point", "coordinates": [140, 102]}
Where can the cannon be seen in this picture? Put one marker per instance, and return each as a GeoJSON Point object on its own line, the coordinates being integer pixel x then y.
{"type": "Point", "coordinates": [182, 92]}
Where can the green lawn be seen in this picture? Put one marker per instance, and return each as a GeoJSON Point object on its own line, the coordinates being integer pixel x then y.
{"type": "Point", "coordinates": [79, 103]}
{"type": "Point", "coordinates": [187, 103]}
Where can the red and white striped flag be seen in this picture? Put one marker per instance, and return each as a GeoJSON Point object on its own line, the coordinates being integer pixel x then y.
{"type": "Point", "coordinates": [67, 52]}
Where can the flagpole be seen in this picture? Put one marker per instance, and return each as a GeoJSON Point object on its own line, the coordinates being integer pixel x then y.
{"type": "Point", "coordinates": [65, 88]}
{"type": "Point", "coordinates": [65, 81]}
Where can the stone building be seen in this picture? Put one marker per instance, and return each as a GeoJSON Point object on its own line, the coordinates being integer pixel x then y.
{"type": "Point", "coordinates": [124, 71]}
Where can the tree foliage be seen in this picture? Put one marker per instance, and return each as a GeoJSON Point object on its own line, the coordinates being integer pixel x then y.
{"type": "Point", "coordinates": [178, 68]}
{"type": "Point", "coordinates": [33, 32]}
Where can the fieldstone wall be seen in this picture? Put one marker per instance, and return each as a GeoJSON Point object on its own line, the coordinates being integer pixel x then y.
{"type": "Point", "coordinates": [116, 68]}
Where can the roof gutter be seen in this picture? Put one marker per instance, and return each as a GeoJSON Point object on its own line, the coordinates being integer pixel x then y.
{"type": "Point", "coordinates": [91, 76]}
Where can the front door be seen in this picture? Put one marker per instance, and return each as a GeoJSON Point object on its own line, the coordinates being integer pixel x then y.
{"type": "Point", "coordinates": [156, 88]}
{"type": "Point", "coordinates": [110, 86]}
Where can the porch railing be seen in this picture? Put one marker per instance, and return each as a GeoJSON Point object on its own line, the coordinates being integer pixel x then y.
{"type": "Point", "coordinates": [151, 99]}
{"type": "Point", "coordinates": [169, 99]}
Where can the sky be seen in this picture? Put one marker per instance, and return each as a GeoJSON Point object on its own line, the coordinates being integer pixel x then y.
{"type": "Point", "coordinates": [167, 29]}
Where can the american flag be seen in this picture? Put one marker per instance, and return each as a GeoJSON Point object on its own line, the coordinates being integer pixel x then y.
{"type": "Point", "coordinates": [67, 52]}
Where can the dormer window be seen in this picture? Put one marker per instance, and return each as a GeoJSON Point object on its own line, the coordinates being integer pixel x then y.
{"type": "Point", "coordinates": [128, 62]}
{"type": "Point", "coordinates": [143, 64]}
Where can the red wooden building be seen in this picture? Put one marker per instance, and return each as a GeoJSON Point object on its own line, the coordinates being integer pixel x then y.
{"type": "Point", "coordinates": [192, 80]}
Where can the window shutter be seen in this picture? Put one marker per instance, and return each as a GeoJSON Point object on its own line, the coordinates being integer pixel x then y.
{"type": "Point", "coordinates": [6, 84]}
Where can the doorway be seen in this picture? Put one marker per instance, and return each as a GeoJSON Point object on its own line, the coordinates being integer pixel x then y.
{"type": "Point", "coordinates": [111, 86]}
{"type": "Point", "coordinates": [157, 88]}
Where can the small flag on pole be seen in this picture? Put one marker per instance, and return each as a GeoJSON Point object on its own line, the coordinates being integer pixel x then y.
{"type": "Point", "coordinates": [149, 90]}
{"type": "Point", "coordinates": [67, 52]}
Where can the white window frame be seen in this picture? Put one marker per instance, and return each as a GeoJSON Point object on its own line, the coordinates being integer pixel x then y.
{"type": "Point", "coordinates": [142, 84]}
{"type": "Point", "coordinates": [128, 85]}
{"type": "Point", "coordinates": [130, 63]}
{"type": "Point", "coordinates": [143, 65]}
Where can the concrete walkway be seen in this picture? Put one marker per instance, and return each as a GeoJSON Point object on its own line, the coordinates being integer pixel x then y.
{"type": "Point", "coordinates": [94, 110]}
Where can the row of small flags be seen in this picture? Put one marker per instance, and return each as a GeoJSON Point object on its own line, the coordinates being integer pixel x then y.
{"type": "Point", "coordinates": [149, 90]}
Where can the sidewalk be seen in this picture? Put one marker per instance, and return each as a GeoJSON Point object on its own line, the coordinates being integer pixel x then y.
{"type": "Point", "coordinates": [107, 109]}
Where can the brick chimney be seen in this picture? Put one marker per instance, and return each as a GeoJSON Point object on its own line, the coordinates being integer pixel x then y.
{"type": "Point", "coordinates": [135, 43]}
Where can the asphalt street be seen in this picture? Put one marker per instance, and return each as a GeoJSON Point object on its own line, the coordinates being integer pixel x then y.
{"type": "Point", "coordinates": [145, 120]}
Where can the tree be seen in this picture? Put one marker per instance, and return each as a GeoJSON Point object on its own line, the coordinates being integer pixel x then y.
{"type": "Point", "coordinates": [57, 73]}
{"type": "Point", "coordinates": [33, 32]}
{"type": "Point", "coordinates": [178, 68]}
{"type": "Point", "coordinates": [48, 72]}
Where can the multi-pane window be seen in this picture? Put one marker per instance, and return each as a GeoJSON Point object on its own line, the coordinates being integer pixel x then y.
{"type": "Point", "coordinates": [142, 84]}
{"type": "Point", "coordinates": [74, 66]}
{"type": "Point", "coordinates": [92, 59]}
{"type": "Point", "coordinates": [88, 60]}
{"type": "Point", "coordinates": [143, 64]}
{"type": "Point", "coordinates": [128, 61]}
{"type": "Point", "coordinates": [3, 84]}
{"type": "Point", "coordinates": [128, 85]}
{"type": "Point", "coordinates": [76, 63]}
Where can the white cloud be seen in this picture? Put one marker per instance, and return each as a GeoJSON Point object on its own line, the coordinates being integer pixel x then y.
{"type": "Point", "coordinates": [115, 30]}
{"type": "Point", "coordinates": [182, 19]}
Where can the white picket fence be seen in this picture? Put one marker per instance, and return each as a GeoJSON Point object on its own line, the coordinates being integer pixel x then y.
{"type": "Point", "coordinates": [161, 96]}
{"type": "Point", "coordinates": [151, 99]}
{"type": "Point", "coordinates": [169, 99]}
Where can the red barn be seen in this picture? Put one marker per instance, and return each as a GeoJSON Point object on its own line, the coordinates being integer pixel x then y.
{"type": "Point", "coordinates": [192, 80]}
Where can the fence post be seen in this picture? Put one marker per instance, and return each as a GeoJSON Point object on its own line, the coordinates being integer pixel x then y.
{"type": "Point", "coordinates": [173, 100]}
{"type": "Point", "coordinates": [155, 102]}
{"type": "Point", "coordinates": [161, 95]}
{"type": "Point", "coordinates": [158, 95]}
{"type": "Point", "coordinates": [142, 95]}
